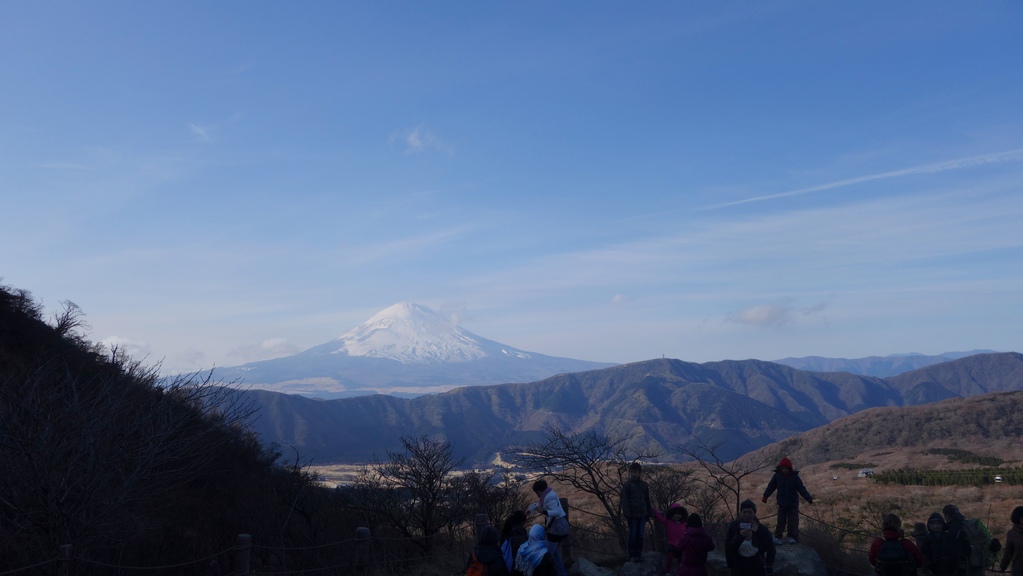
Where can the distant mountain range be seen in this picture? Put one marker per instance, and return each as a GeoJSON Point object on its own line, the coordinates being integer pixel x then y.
{"type": "Point", "coordinates": [408, 350]}
{"type": "Point", "coordinates": [404, 350]}
{"type": "Point", "coordinates": [880, 366]}
{"type": "Point", "coordinates": [741, 405]}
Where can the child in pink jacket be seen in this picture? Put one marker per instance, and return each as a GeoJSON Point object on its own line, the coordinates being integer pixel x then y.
{"type": "Point", "coordinates": [675, 527]}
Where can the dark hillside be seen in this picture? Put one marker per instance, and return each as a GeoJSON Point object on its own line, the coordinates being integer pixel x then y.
{"type": "Point", "coordinates": [100, 454]}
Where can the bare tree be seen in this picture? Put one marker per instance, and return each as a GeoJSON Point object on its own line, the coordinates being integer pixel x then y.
{"type": "Point", "coordinates": [669, 484]}
{"type": "Point", "coordinates": [482, 492]}
{"type": "Point", "coordinates": [725, 478]}
{"type": "Point", "coordinates": [591, 462]}
{"type": "Point", "coordinates": [70, 321]}
{"type": "Point", "coordinates": [422, 476]}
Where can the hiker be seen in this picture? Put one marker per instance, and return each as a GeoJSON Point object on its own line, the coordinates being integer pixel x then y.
{"type": "Point", "coordinates": [1012, 554]}
{"type": "Point", "coordinates": [635, 504]}
{"type": "Point", "coordinates": [513, 535]}
{"type": "Point", "coordinates": [892, 554]}
{"type": "Point", "coordinates": [972, 540]}
{"type": "Point", "coordinates": [919, 534]}
{"type": "Point", "coordinates": [790, 487]}
{"type": "Point", "coordinates": [674, 521]}
{"type": "Point", "coordinates": [749, 548]}
{"type": "Point", "coordinates": [939, 548]}
{"type": "Point", "coordinates": [695, 545]}
{"type": "Point", "coordinates": [488, 553]}
{"type": "Point", "coordinates": [535, 558]}
{"type": "Point", "coordinates": [555, 524]}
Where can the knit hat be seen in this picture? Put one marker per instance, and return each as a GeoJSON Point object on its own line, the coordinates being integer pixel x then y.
{"type": "Point", "coordinates": [694, 521]}
{"type": "Point", "coordinates": [784, 463]}
{"type": "Point", "coordinates": [747, 503]}
{"type": "Point", "coordinates": [489, 535]}
{"type": "Point", "coordinates": [919, 530]}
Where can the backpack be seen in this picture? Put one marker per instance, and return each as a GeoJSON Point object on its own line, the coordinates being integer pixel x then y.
{"type": "Point", "coordinates": [476, 568]}
{"type": "Point", "coordinates": [980, 543]}
{"type": "Point", "coordinates": [894, 560]}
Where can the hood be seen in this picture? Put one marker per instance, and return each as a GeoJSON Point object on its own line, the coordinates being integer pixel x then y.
{"type": "Point", "coordinates": [676, 508]}
{"type": "Point", "coordinates": [784, 463]}
{"type": "Point", "coordinates": [936, 516]}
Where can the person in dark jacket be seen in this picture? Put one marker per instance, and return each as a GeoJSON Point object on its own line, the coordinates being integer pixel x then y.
{"type": "Point", "coordinates": [636, 508]}
{"type": "Point", "coordinates": [892, 530]}
{"type": "Point", "coordinates": [693, 548]}
{"type": "Point", "coordinates": [514, 533]}
{"type": "Point", "coordinates": [1012, 553]}
{"type": "Point", "coordinates": [790, 488]}
{"type": "Point", "coordinates": [938, 548]}
{"type": "Point", "coordinates": [955, 526]}
{"type": "Point", "coordinates": [488, 552]}
{"type": "Point", "coordinates": [749, 548]}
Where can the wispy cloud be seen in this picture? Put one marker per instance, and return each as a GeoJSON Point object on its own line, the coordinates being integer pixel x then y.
{"type": "Point", "coordinates": [418, 140]}
{"type": "Point", "coordinates": [269, 348]}
{"type": "Point", "coordinates": [721, 265]}
{"type": "Point", "coordinates": [1015, 155]}
{"type": "Point", "coordinates": [400, 248]}
{"type": "Point", "coordinates": [137, 350]}
{"type": "Point", "coordinates": [202, 133]}
{"type": "Point", "coordinates": [773, 315]}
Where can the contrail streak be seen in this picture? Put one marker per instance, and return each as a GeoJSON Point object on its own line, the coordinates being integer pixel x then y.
{"type": "Point", "coordinates": [957, 164]}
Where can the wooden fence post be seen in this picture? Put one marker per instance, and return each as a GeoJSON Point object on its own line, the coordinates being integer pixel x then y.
{"type": "Point", "coordinates": [64, 560]}
{"type": "Point", "coordinates": [243, 551]}
{"type": "Point", "coordinates": [566, 544]}
{"type": "Point", "coordinates": [361, 548]}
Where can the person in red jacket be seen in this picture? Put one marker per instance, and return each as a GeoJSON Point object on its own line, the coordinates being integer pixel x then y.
{"type": "Point", "coordinates": [892, 527]}
{"type": "Point", "coordinates": [674, 528]}
{"type": "Point", "coordinates": [695, 545]}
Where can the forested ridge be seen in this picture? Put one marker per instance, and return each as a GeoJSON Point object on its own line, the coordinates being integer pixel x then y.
{"type": "Point", "coordinates": [101, 454]}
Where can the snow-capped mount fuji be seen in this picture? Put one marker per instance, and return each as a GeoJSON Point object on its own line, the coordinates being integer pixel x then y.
{"type": "Point", "coordinates": [410, 333]}
{"type": "Point", "coordinates": [405, 350]}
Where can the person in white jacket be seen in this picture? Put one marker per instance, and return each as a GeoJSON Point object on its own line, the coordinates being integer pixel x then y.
{"type": "Point", "coordinates": [556, 521]}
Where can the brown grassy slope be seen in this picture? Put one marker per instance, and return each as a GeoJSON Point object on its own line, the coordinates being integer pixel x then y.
{"type": "Point", "coordinates": [892, 438]}
{"type": "Point", "coordinates": [989, 425]}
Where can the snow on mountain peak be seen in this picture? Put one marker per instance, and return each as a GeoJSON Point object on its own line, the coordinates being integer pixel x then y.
{"type": "Point", "coordinates": [410, 333]}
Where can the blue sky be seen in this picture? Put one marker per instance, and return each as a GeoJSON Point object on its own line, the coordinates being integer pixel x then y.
{"type": "Point", "coordinates": [220, 182]}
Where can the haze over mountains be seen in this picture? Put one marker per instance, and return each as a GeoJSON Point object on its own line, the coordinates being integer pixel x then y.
{"type": "Point", "coordinates": [743, 405]}
{"type": "Point", "coordinates": [404, 350]}
{"type": "Point", "coordinates": [880, 366]}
